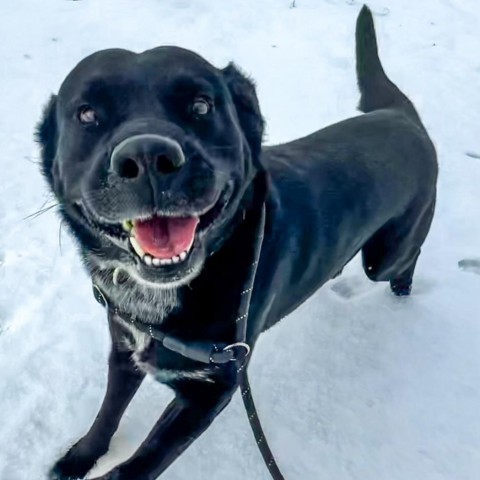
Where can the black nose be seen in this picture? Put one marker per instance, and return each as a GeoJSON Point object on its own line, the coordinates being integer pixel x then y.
{"type": "Point", "coordinates": [136, 155]}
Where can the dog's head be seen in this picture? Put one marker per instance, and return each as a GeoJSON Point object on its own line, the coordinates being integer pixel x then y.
{"type": "Point", "coordinates": [149, 156]}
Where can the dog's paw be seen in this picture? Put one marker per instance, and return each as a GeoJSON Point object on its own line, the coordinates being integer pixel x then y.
{"type": "Point", "coordinates": [74, 465]}
{"type": "Point", "coordinates": [400, 288]}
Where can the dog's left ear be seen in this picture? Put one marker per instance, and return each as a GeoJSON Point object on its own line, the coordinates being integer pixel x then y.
{"type": "Point", "coordinates": [242, 90]}
{"type": "Point", "coordinates": [46, 136]}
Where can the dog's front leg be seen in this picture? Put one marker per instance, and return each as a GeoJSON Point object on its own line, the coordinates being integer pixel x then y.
{"type": "Point", "coordinates": [123, 381]}
{"type": "Point", "coordinates": [191, 412]}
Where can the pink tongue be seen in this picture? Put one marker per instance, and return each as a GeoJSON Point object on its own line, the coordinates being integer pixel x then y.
{"type": "Point", "coordinates": [165, 237]}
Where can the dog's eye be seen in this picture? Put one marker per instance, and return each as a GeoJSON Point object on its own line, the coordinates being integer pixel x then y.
{"type": "Point", "coordinates": [200, 107]}
{"type": "Point", "coordinates": [87, 115]}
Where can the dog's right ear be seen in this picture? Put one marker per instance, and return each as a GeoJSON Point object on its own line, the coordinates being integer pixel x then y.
{"type": "Point", "coordinates": [242, 90]}
{"type": "Point", "coordinates": [46, 136]}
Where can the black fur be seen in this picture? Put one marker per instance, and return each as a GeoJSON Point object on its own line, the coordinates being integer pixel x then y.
{"type": "Point", "coordinates": [243, 93]}
{"type": "Point", "coordinates": [47, 138]}
{"type": "Point", "coordinates": [367, 183]}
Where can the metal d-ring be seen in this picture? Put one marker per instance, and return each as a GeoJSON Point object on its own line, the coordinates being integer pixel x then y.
{"type": "Point", "coordinates": [233, 346]}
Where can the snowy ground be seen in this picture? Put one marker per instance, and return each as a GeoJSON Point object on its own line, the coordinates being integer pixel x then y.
{"type": "Point", "coordinates": [356, 384]}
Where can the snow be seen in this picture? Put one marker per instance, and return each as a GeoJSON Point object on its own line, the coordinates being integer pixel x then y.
{"type": "Point", "coordinates": [356, 384]}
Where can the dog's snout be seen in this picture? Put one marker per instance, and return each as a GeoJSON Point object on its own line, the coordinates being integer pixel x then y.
{"type": "Point", "coordinates": [137, 155]}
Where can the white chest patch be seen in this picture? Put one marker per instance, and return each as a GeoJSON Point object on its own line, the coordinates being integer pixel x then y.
{"type": "Point", "coordinates": [149, 303]}
{"type": "Point", "coordinates": [139, 343]}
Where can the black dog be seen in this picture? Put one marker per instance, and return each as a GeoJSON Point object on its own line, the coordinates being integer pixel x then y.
{"type": "Point", "coordinates": [156, 160]}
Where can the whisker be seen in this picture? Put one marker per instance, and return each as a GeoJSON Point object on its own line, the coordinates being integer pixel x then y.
{"type": "Point", "coordinates": [217, 170]}
{"type": "Point", "coordinates": [35, 160]}
{"type": "Point", "coordinates": [41, 211]}
{"type": "Point", "coordinates": [213, 169]}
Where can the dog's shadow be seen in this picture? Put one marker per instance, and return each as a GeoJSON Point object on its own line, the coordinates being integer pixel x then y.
{"type": "Point", "coordinates": [353, 286]}
{"type": "Point", "coordinates": [356, 286]}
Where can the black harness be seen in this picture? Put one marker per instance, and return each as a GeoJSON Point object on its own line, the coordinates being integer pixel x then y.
{"type": "Point", "coordinates": [215, 353]}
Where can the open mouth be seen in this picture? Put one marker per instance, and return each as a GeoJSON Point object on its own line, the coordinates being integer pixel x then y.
{"type": "Point", "coordinates": [162, 240]}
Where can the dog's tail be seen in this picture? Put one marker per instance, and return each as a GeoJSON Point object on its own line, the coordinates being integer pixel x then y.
{"type": "Point", "coordinates": [376, 89]}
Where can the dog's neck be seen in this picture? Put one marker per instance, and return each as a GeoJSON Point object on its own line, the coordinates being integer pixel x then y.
{"type": "Point", "coordinates": [140, 300]}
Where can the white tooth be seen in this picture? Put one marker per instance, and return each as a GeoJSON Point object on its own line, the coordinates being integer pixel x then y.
{"type": "Point", "coordinates": [156, 262]}
{"type": "Point", "coordinates": [183, 255]}
{"type": "Point", "coordinates": [176, 259]}
{"type": "Point", "coordinates": [166, 261]}
{"type": "Point", "coordinates": [148, 260]}
{"type": "Point", "coordinates": [136, 246]}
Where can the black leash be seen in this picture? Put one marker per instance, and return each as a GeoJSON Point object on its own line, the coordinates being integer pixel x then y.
{"type": "Point", "coordinates": [214, 353]}
{"type": "Point", "coordinates": [242, 323]}
{"type": "Point", "coordinates": [257, 429]}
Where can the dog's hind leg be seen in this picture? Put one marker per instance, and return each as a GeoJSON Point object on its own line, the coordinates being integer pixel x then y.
{"type": "Point", "coordinates": [123, 382]}
{"type": "Point", "coordinates": [392, 253]}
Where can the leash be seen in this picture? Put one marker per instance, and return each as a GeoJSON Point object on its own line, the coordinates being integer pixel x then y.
{"type": "Point", "coordinates": [215, 353]}
{"type": "Point", "coordinates": [242, 323]}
